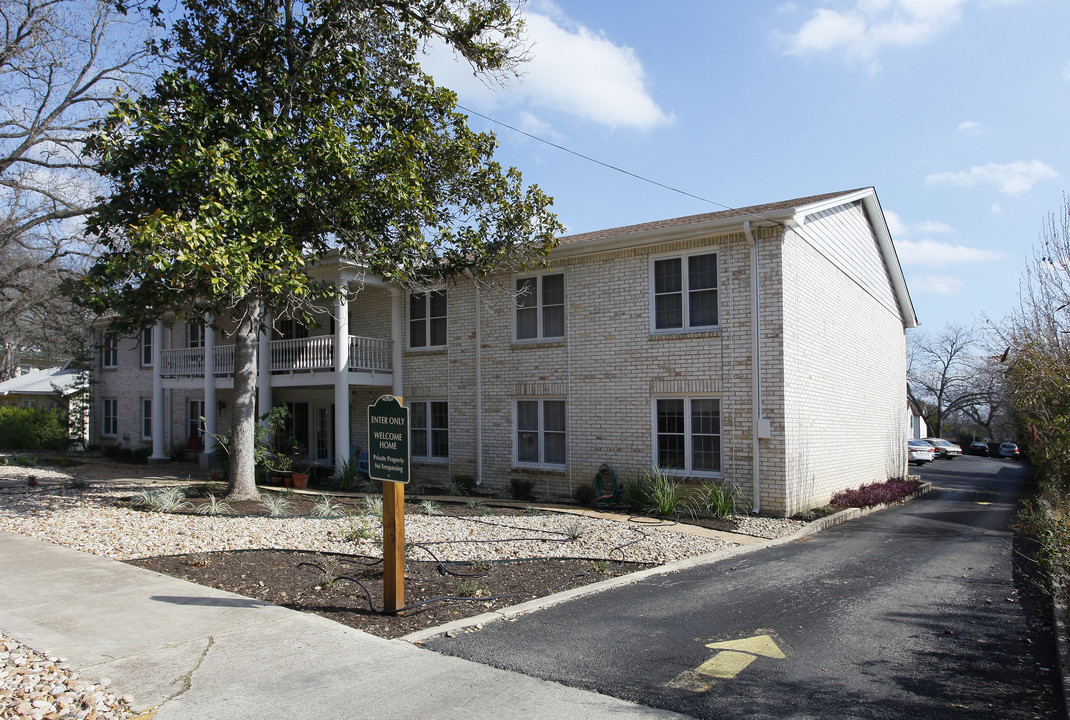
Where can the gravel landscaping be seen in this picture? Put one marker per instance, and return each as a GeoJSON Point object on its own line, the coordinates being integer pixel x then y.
{"type": "Point", "coordinates": [464, 559]}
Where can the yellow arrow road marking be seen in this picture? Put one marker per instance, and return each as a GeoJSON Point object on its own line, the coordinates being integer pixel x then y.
{"type": "Point", "coordinates": [725, 664]}
{"type": "Point", "coordinates": [758, 645]}
{"type": "Point", "coordinates": [732, 658]}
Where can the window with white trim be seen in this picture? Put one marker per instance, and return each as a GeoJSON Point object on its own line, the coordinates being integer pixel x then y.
{"type": "Point", "coordinates": [146, 418]}
{"type": "Point", "coordinates": [688, 434]}
{"type": "Point", "coordinates": [109, 351]}
{"type": "Point", "coordinates": [540, 307]}
{"type": "Point", "coordinates": [427, 319]}
{"type": "Point", "coordinates": [540, 432]}
{"type": "Point", "coordinates": [146, 347]}
{"type": "Point", "coordinates": [194, 335]}
{"type": "Point", "coordinates": [429, 429]}
{"type": "Point", "coordinates": [684, 293]}
{"type": "Point", "coordinates": [109, 410]}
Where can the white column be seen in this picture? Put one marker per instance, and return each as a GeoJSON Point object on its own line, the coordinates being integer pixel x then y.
{"type": "Point", "coordinates": [263, 380]}
{"type": "Point", "coordinates": [159, 452]}
{"type": "Point", "coordinates": [396, 339]}
{"type": "Point", "coordinates": [211, 423]}
{"type": "Point", "coordinates": [341, 382]}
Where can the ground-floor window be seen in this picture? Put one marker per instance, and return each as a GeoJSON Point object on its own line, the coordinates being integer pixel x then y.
{"type": "Point", "coordinates": [688, 434]}
{"type": "Point", "coordinates": [195, 423]}
{"type": "Point", "coordinates": [109, 426]}
{"type": "Point", "coordinates": [429, 429]}
{"type": "Point", "coordinates": [540, 432]}
{"type": "Point", "coordinates": [146, 419]}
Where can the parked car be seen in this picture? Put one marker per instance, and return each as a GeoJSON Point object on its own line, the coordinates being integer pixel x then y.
{"type": "Point", "coordinates": [978, 448]}
{"type": "Point", "coordinates": [920, 452]}
{"type": "Point", "coordinates": [944, 449]}
{"type": "Point", "coordinates": [1009, 450]}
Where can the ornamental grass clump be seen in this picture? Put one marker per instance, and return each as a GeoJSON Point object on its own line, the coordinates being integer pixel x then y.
{"type": "Point", "coordinates": [214, 506]}
{"type": "Point", "coordinates": [891, 491]}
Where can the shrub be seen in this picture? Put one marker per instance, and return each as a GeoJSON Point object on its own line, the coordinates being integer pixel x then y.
{"type": "Point", "coordinates": [875, 493]}
{"type": "Point", "coordinates": [522, 488]}
{"type": "Point", "coordinates": [637, 493]}
{"type": "Point", "coordinates": [585, 495]}
{"type": "Point", "coordinates": [662, 488]}
{"type": "Point", "coordinates": [35, 430]}
{"type": "Point", "coordinates": [712, 500]}
{"type": "Point", "coordinates": [466, 484]}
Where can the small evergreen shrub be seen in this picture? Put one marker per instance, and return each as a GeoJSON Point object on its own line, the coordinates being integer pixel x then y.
{"type": "Point", "coordinates": [522, 488]}
{"type": "Point", "coordinates": [585, 495]}
{"type": "Point", "coordinates": [34, 430]}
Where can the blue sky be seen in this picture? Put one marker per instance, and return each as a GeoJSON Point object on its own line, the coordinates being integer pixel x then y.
{"type": "Point", "coordinates": [956, 111]}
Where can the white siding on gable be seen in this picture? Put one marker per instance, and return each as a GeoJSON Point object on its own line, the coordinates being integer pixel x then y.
{"type": "Point", "coordinates": [843, 235]}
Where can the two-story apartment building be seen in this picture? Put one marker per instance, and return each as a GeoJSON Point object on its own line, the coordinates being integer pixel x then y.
{"type": "Point", "coordinates": [763, 347]}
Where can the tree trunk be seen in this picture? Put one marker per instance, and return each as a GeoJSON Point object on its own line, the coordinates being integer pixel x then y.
{"type": "Point", "coordinates": [242, 484]}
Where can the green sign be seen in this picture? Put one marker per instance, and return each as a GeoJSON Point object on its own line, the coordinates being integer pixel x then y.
{"type": "Point", "coordinates": [388, 440]}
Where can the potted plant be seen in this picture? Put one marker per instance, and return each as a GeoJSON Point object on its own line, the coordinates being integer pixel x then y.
{"type": "Point", "coordinates": [301, 468]}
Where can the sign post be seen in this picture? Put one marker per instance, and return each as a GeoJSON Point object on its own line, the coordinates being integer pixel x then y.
{"type": "Point", "coordinates": [388, 462]}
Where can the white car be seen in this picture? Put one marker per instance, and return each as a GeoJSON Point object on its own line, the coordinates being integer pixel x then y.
{"type": "Point", "coordinates": [920, 452]}
{"type": "Point", "coordinates": [944, 448]}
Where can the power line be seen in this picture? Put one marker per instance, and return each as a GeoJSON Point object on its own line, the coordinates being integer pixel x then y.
{"type": "Point", "coordinates": [597, 161]}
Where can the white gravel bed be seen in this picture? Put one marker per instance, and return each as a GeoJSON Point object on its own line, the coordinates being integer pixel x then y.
{"type": "Point", "coordinates": [89, 520]}
{"type": "Point", "coordinates": [35, 685]}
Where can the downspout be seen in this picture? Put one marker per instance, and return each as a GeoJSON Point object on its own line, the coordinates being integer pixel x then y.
{"type": "Point", "coordinates": [479, 385]}
{"type": "Point", "coordinates": [756, 398]}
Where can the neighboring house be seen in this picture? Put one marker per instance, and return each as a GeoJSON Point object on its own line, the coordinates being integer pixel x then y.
{"type": "Point", "coordinates": [63, 388]}
{"type": "Point", "coordinates": [917, 428]}
{"type": "Point", "coordinates": [636, 346]}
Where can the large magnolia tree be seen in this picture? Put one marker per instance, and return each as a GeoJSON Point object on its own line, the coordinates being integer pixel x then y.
{"type": "Point", "coordinates": [285, 130]}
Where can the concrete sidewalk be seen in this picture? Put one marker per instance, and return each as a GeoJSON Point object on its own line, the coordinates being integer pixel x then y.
{"type": "Point", "coordinates": [193, 652]}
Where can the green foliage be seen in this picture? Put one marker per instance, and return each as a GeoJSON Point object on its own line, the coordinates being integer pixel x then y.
{"type": "Point", "coordinates": [430, 507]}
{"type": "Point", "coordinates": [521, 488]}
{"type": "Point", "coordinates": [359, 529]}
{"type": "Point", "coordinates": [585, 495]}
{"type": "Point", "coordinates": [461, 485]}
{"type": "Point", "coordinates": [347, 478]}
{"type": "Point", "coordinates": [172, 499]}
{"type": "Point", "coordinates": [664, 496]}
{"type": "Point", "coordinates": [372, 505]}
{"type": "Point", "coordinates": [574, 528]}
{"type": "Point", "coordinates": [637, 493]}
{"type": "Point", "coordinates": [26, 461]}
{"type": "Point", "coordinates": [35, 430]}
{"type": "Point", "coordinates": [712, 500]}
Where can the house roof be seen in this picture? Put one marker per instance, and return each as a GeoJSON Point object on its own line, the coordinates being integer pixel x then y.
{"type": "Point", "coordinates": [786, 213]}
{"type": "Point", "coordinates": [64, 380]}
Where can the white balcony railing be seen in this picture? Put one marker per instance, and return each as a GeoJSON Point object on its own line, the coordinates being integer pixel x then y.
{"type": "Point", "coordinates": [301, 355]}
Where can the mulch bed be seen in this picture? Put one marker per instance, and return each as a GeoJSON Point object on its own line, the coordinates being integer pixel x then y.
{"type": "Point", "coordinates": [349, 588]}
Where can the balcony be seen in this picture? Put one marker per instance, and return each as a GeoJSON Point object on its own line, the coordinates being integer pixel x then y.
{"type": "Point", "coordinates": [302, 355]}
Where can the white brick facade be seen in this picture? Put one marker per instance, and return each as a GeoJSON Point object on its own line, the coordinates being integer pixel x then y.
{"type": "Point", "coordinates": [832, 356]}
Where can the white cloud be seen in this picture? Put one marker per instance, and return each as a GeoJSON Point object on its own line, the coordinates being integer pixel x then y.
{"type": "Point", "coordinates": [937, 284]}
{"type": "Point", "coordinates": [571, 69]}
{"type": "Point", "coordinates": [970, 127]}
{"type": "Point", "coordinates": [1010, 178]}
{"type": "Point", "coordinates": [862, 30]}
{"type": "Point", "coordinates": [898, 228]}
{"type": "Point", "coordinates": [929, 252]}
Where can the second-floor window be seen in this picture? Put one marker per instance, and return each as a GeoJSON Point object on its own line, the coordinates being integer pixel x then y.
{"type": "Point", "coordinates": [685, 293]}
{"type": "Point", "coordinates": [540, 307]}
{"type": "Point", "coordinates": [195, 335]}
{"type": "Point", "coordinates": [146, 347]}
{"type": "Point", "coordinates": [427, 319]}
{"type": "Point", "coordinates": [109, 351]}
